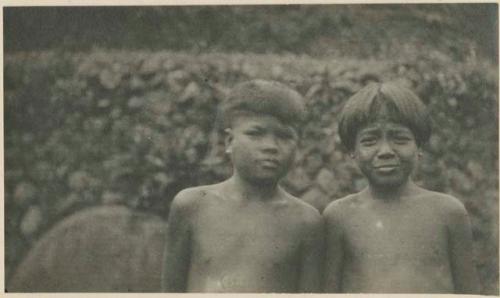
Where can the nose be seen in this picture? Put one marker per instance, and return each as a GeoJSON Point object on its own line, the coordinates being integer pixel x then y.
{"type": "Point", "coordinates": [270, 144]}
{"type": "Point", "coordinates": [385, 150]}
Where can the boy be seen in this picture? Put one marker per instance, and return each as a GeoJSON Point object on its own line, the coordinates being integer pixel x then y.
{"type": "Point", "coordinates": [394, 236]}
{"type": "Point", "coordinates": [247, 234]}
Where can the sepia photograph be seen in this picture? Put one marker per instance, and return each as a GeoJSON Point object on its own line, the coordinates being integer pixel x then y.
{"type": "Point", "coordinates": [251, 148]}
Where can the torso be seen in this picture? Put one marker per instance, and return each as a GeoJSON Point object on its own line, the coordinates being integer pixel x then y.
{"type": "Point", "coordinates": [395, 247]}
{"type": "Point", "coordinates": [244, 246]}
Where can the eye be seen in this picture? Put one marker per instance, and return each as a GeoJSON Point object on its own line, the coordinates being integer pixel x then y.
{"type": "Point", "coordinates": [402, 139]}
{"type": "Point", "coordinates": [368, 141]}
{"type": "Point", "coordinates": [285, 135]}
{"type": "Point", "coordinates": [254, 132]}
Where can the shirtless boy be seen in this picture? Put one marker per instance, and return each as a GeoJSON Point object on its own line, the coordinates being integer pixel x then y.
{"type": "Point", "coordinates": [394, 236]}
{"type": "Point", "coordinates": [247, 234]}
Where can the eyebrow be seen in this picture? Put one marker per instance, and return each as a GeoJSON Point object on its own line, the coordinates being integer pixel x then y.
{"type": "Point", "coordinates": [369, 130]}
{"type": "Point", "coordinates": [400, 130]}
{"type": "Point", "coordinates": [255, 126]}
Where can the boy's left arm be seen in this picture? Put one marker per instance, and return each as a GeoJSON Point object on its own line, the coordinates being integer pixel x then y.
{"type": "Point", "coordinates": [312, 257]}
{"type": "Point", "coordinates": [463, 268]}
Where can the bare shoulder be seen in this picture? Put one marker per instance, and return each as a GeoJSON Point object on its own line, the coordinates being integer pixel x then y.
{"type": "Point", "coordinates": [190, 198]}
{"type": "Point", "coordinates": [443, 203]}
{"type": "Point", "coordinates": [343, 205]}
{"type": "Point", "coordinates": [302, 211]}
{"type": "Point", "coordinates": [450, 210]}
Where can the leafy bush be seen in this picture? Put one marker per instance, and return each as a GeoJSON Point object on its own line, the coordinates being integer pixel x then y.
{"type": "Point", "coordinates": [133, 128]}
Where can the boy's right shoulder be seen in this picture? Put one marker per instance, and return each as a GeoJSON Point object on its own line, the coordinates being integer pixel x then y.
{"type": "Point", "coordinates": [191, 197]}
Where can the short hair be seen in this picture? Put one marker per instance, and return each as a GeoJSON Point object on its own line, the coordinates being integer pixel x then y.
{"type": "Point", "coordinates": [396, 102]}
{"type": "Point", "coordinates": [262, 97]}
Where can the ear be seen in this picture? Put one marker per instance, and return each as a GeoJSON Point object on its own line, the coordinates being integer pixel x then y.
{"type": "Point", "coordinates": [228, 139]}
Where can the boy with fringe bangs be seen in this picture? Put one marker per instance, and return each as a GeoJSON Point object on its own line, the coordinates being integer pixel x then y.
{"type": "Point", "coordinates": [394, 236]}
{"type": "Point", "coordinates": [246, 234]}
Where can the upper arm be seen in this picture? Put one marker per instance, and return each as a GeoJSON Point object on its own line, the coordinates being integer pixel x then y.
{"type": "Point", "coordinates": [176, 259]}
{"type": "Point", "coordinates": [312, 254]}
{"type": "Point", "coordinates": [463, 268]}
{"type": "Point", "coordinates": [334, 249]}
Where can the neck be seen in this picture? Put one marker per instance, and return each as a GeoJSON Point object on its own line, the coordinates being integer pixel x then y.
{"type": "Point", "coordinates": [253, 190]}
{"type": "Point", "coordinates": [390, 193]}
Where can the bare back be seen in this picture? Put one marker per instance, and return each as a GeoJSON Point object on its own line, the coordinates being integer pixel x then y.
{"type": "Point", "coordinates": [395, 247]}
{"type": "Point", "coordinates": [242, 246]}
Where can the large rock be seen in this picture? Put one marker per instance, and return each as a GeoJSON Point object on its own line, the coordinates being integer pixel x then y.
{"type": "Point", "coordinates": [101, 249]}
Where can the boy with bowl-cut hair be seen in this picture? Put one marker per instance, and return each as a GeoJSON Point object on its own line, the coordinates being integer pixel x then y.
{"type": "Point", "coordinates": [246, 234]}
{"type": "Point", "coordinates": [394, 236]}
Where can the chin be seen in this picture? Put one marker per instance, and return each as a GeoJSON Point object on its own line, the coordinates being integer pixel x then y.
{"type": "Point", "coordinates": [266, 180]}
{"type": "Point", "coordinates": [387, 182]}
{"type": "Point", "coordinates": [262, 179]}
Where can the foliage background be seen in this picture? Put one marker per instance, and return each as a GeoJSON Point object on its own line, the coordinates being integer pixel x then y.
{"type": "Point", "coordinates": [100, 112]}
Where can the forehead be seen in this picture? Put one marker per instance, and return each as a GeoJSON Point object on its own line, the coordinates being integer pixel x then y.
{"type": "Point", "coordinates": [384, 125]}
{"type": "Point", "coordinates": [247, 120]}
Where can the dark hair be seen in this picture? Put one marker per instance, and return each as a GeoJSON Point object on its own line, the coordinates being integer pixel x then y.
{"type": "Point", "coordinates": [264, 98]}
{"type": "Point", "coordinates": [396, 102]}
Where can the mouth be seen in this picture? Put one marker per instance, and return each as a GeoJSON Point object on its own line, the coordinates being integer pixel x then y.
{"type": "Point", "coordinates": [386, 168]}
{"type": "Point", "coordinates": [269, 163]}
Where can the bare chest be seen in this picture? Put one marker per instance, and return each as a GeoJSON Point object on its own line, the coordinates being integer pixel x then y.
{"type": "Point", "coordinates": [411, 237]}
{"type": "Point", "coordinates": [229, 236]}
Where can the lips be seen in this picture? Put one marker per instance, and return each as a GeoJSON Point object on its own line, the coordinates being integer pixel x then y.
{"type": "Point", "coordinates": [269, 163]}
{"type": "Point", "coordinates": [386, 168]}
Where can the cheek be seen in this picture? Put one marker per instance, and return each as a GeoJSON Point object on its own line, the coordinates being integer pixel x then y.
{"type": "Point", "coordinates": [412, 161]}
{"type": "Point", "coordinates": [410, 155]}
{"type": "Point", "coordinates": [363, 156]}
{"type": "Point", "coordinates": [241, 151]}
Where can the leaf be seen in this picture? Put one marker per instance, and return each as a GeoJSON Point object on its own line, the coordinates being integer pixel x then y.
{"type": "Point", "coordinates": [24, 193]}
{"type": "Point", "coordinates": [317, 198]}
{"type": "Point", "coordinates": [298, 180]}
{"type": "Point", "coordinates": [135, 102]}
{"type": "Point", "coordinates": [327, 181]}
{"type": "Point", "coordinates": [192, 91]}
{"type": "Point", "coordinates": [79, 180]}
{"type": "Point", "coordinates": [109, 79]}
{"type": "Point", "coordinates": [32, 221]}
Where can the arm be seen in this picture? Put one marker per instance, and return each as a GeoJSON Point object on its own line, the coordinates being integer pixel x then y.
{"type": "Point", "coordinates": [334, 252]}
{"type": "Point", "coordinates": [464, 272]}
{"type": "Point", "coordinates": [176, 257]}
{"type": "Point", "coordinates": [312, 257]}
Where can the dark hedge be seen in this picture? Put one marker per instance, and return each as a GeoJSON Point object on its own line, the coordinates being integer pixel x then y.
{"type": "Point", "coordinates": [459, 29]}
{"type": "Point", "coordinates": [133, 128]}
